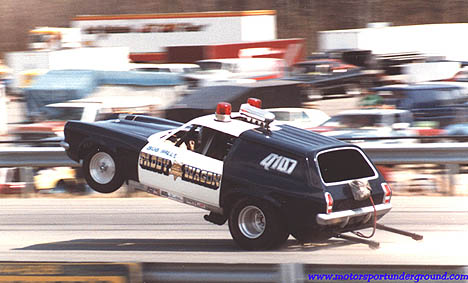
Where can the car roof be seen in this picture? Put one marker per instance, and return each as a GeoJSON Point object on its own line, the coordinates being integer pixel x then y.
{"type": "Point", "coordinates": [292, 109]}
{"type": "Point", "coordinates": [284, 137]}
{"type": "Point", "coordinates": [418, 86]}
{"type": "Point", "coordinates": [165, 65]}
{"type": "Point", "coordinates": [233, 126]}
{"type": "Point", "coordinates": [240, 60]}
{"type": "Point", "coordinates": [373, 111]}
{"type": "Point", "coordinates": [294, 140]}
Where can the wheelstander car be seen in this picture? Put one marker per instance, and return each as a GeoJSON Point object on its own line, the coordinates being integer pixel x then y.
{"type": "Point", "coordinates": [267, 181]}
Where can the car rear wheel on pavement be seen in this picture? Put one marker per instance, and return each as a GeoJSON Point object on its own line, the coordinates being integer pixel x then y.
{"type": "Point", "coordinates": [256, 225]}
{"type": "Point", "coordinates": [103, 171]}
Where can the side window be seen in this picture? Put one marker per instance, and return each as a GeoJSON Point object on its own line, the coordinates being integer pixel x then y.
{"type": "Point", "coordinates": [204, 141]}
{"type": "Point", "coordinates": [214, 144]}
{"type": "Point", "coordinates": [184, 137]}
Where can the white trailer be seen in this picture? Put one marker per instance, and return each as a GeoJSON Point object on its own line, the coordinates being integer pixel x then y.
{"type": "Point", "coordinates": [447, 40]}
{"type": "Point", "coordinates": [152, 33]}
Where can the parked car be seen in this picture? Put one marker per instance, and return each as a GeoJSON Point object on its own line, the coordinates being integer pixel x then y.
{"type": "Point", "coordinates": [87, 110]}
{"type": "Point", "coordinates": [461, 76]}
{"type": "Point", "coordinates": [460, 125]}
{"type": "Point", "coordinates": [326, 77]}
{"type": "Point", "coordinates": [59, 180]}
{"type": "Point", "coordinates": [429, 102]}
{"type": "Point", "coordinates": [303, 118]}
{"type": "Point", "coordinates": [370, 123]}
{"type": "Point", "coordinates": [460, 129]}
{"type": "Point", "coordinates": [10, 181]}
{"type": "Point", "coordinates": [234, 71]}
{"type": "Point", "coordinates": [168, 68]}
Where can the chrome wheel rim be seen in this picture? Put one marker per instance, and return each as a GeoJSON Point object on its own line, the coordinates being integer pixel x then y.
{"type": "Point", "coordinates": [102, 168]}
{"type": "Point", "coordinates": [252, 222]}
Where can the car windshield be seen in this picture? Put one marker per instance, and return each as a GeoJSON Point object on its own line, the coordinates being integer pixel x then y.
{"type": "Point", "coordinates": [355, 121]}
{"type": "Point", "coordinates": [406, 99]}
{"type": "Point", "coordinates": [208, 66]}
{"type": "Point", "coordinates": [313, 68]}
{"type": "Point", "coordinates": [64, 113]}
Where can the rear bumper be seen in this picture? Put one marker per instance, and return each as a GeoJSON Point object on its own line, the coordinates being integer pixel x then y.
{"type": "Point", "coordinates": [342, 218]}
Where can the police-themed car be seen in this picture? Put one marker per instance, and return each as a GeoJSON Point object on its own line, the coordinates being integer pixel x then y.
{"type": "Point", "coordinates": [267, 181]}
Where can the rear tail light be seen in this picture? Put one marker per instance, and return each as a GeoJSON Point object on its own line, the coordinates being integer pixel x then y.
{"type": "Point", "coordinates": [387, 193]}
{"type": "Point", "coordinates": [329, 200]}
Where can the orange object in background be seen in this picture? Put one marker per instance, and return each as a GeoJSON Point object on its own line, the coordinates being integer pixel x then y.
{"type": "Point", "coordinates": [386, 172]}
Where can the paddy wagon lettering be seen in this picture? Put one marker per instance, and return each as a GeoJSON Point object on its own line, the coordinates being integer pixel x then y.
{"type": "Point", "coordinates": [279, 163]}
{"type": "Point", "coordinates": [155, 163]}
{"type": "Point", "coordinates": [186, 172]}
{"type": "Point", "coordinates": [201, 177]}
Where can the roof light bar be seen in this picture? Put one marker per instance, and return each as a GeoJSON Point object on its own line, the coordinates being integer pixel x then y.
{"type": "Point", "coordinates": [255, 102]}
{"type": "Point", "coordinates": [252, 112]}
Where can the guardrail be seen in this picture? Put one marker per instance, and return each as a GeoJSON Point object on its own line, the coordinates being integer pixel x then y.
{"type": "Point", "coordinates": [417, 153]}
{"type": "Point", "coordinates": [35, 157]}
{"type": "Point", "coordinates": [449, 154]}
{"type": "Point", "coordinates": [381, 154]}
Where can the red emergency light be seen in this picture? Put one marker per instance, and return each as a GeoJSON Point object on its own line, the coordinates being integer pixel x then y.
{"type": "Point", "coordinates": [255, 102]}
{"type": "Point", "coordinates": [223, 111]}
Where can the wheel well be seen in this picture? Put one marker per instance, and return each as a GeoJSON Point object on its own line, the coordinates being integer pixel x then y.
{"type": "Point", "coordinates": [61, 181]}
{"type": "Point", "coordinates": [88, 146]}
{"type": "Point", "coordinates": [233, 198]}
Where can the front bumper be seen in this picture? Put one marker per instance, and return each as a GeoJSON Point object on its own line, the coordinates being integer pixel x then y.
{"type": "Point", "coordinates": [342, 218]}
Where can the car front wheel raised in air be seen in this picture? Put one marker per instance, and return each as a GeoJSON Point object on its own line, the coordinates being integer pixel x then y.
{"type": "Point", "coordinates": [103, 171]}
{"type": "Point", "coordinates": [256, 225]}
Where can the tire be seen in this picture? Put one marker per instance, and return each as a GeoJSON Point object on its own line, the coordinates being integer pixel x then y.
{"type": "Point", "coordinates": [60, 187]}
{"type": "Point", "coordinates": [103, 171]}
{"type": "Point", "coordinates": [256, 225]}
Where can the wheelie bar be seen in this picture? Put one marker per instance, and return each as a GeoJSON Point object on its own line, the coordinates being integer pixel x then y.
{"type": "Point", "coordinates": [414, 236]}
{"type": "Point", "coordinates": [370, 243]}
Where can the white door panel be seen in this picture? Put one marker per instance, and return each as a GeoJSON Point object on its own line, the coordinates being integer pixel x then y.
{"type": "Point", "coordinates": [180, 171]}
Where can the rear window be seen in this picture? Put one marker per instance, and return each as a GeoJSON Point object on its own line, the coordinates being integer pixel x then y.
{"type": "Point", "coordinates": [343, 165]}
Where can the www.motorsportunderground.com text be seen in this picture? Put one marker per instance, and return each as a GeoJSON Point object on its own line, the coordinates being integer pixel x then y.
{"type": "Point", "coordinates": [356, 277]}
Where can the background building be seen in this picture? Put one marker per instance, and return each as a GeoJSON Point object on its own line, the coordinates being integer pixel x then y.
{"type": "Point", "coordinates": [295, 18]}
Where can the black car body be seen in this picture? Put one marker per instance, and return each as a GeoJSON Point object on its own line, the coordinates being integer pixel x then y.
{"type": "Point", "coordinates": [240, 169]}
{"type": "Point", "coordinates": [326, 77]}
